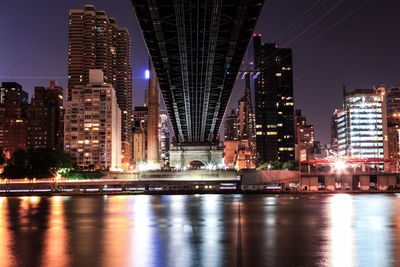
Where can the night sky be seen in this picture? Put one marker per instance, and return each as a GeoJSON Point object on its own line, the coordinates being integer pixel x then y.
{"type": "Point", "coordinates": [334, 42]}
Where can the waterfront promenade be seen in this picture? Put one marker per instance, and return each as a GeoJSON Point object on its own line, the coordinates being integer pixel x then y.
{"type": "Point", "coordinates": [205, 181]}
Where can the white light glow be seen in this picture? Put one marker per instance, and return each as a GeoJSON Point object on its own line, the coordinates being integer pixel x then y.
{"type": "Point", "coordinates": [148, 166]}
{"type": "Point", "coordinates": [342, 252]}
{"type": "Point", "coordinates": [147, 74]}
{"type": "Point", "coordinates": [340, 165]}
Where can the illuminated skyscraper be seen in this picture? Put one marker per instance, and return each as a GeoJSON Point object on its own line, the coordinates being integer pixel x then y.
{"type": "Point", "coordinates": [231, 126]}
{"type": "Point", "coordinates": [164, 139]}
{"type": "Point", "coordinates": [96, 42]}
{"type": "Point", "coordinates": [273, 102]}
{"type": "Point", "coordinates": [362, 124]}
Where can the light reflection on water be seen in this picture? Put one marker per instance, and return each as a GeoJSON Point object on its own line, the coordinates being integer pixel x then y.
{"type": "Point", "coordinates": [210, 232]}
{"type": "Point", "coordinates": [56, 236]}
{"type": "Point", "coordinates": [342, 252]}
{"type": "Point", "coordinates": [6, 256]}
{"type": "Point", "coordinates": [374, 230]}
{"type": "Point", "coordinates": [201, 230]}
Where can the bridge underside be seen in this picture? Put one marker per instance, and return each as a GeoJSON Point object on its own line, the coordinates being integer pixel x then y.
{"type": "Point", "coordinates": [196, 48]}
{"type": "Point", "coordinates": [184, 155]}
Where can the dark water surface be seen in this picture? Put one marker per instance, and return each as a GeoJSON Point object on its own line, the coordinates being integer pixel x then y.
{"type": "Point", "coordinates": [201, 230]}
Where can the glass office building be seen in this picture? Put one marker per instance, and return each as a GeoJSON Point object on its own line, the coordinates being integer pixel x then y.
{"type": "Point", "coordinates": [362, 124]}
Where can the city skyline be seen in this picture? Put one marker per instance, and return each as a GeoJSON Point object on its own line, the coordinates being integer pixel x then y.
{"type": "Point", "coordinates": [355, 54]}
{"type": "Point", "coordinates": [204, 133]}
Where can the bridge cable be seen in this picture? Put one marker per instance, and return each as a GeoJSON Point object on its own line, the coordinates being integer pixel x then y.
{"type": "Point", "coordinates": [333, 26]}
{"type": "Point", "coordinates": [283, 34]}
{"type": "Point", "coordinates": [327, 13]}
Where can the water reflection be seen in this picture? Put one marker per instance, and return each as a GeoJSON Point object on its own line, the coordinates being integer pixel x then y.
{"type": "Point", "coordinates": [6, 257]}
{"type": "Point", "coordinates": [270, 229]}
{"type": "Point", "coordinates": [27, 224]}
{"type": "Point", "coordinates": [396, 235]}
{"type": "Point", "coordinates": [342, 252]}
{"type": "Point", "coordinates": [143, 246]}
{"type": "Point", "coordinates": [201, 230]}
{"type": "Point", "coordinates": [179, 251]}
{"type": "Point", "coordinates": [117, 222]}
{"type": "Point", "coordinates": [85, 223]}
{"type": "Point", "coordinates": [373, 230]}
{"type": "Point", "coordinates": [211, 231]}
{"type": "Point", "coordinates": [56, 238]}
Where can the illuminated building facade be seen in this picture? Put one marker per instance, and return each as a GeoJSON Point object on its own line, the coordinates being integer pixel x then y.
{"type": "Point", "coordinates": [13, 86]}
{"type": "Point", "coordinates": [393, 113]}
{"type": "Point", "coordinates": [230, 150]}
{"type": "Point", "coordinates": [239, 144]}
{"type": "Point", "coordinates": [275, 140]}
{"type": "Point", "coordinates": [164, 139]}
{"type": "Point", "coordinates": [244, 157]}
{"type": "Point", "coordinates": [334, 137]}
{"type": "Point", "coordinates": [139, 143]}
{"type": "Point", "coordinates": [96, 42]}
{"type": "Point", "coordinates": [231, 126]}
{"type": "Point", "coordinates": [93, 125]}
{"type": "Point", "coordinates": [153, 117]}
{"type": "Point", "coordinates": [13, 123]}
{"type": "Point", "coordinates": [362, 124]}
{"type": "Point", "coordinates": [246, 115]}
{"type": "Point", "coordinates": [140, 120]}
{"type": "Point", "coordinates": [304, 137]}
{"type": "Point", "coordinates": [46, 117]}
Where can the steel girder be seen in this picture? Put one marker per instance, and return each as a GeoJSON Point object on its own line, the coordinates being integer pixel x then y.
{"type": "Point", "coordinates": [196, 47]}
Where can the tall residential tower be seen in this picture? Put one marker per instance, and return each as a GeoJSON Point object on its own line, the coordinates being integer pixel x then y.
{"type": "Point", "coordinates": [96, 42]}
{"type": "Point", "coordinates": [93, 125]}
{"type": "Point", "coordinates": [274, 102]}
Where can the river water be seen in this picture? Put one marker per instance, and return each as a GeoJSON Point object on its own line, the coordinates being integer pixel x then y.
{"type": "Point", "coordinates": [201, 230]}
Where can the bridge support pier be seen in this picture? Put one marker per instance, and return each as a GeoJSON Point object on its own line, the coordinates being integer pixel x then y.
{"type": "Point", "coordinates": [183, 156]}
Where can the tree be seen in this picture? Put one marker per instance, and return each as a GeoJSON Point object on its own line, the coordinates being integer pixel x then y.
{"type": "Point", "coordinates": [17, 165]}
{"type": "Point", "coordinates": [42, 162]}
{"type": "Point", "coordinates": [291, 166]}
{"type": "Point", "coordinates": [2, 157]}
{"type": "Point", "coordinates": [276, 165]}
{"type": "Point", "coordinates": [64, 159]}
{"type": "Point", "coordinates": [37, 163]}
{"type": "Point", "coordinates": [262, 166]}
{"type": "Point", "coordinates": [271, 165]}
